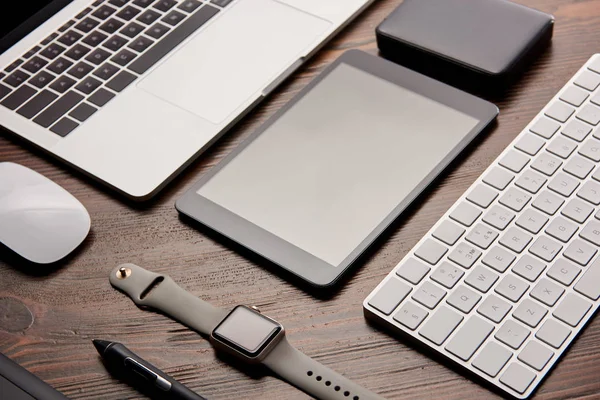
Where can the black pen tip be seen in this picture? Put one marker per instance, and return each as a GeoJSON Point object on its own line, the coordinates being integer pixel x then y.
{"type": "Point", "coordinates": [101, 345]}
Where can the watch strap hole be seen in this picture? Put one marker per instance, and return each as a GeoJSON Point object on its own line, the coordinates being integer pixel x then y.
{"type": "Point", "coordinates": [337, 388]}
{"type": "Point", "coordinates": [151, 287]}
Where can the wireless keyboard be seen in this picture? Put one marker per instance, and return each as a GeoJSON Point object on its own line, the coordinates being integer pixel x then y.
{"type": "Point", "coordinates": [507, 278]}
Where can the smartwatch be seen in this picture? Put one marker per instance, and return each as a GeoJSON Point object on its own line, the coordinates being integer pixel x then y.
{"type": "Point", "coordinates": [243, 332]}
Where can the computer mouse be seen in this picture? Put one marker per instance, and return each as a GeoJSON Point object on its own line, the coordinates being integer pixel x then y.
{"type": "Point", "coordinates": [39, 220]}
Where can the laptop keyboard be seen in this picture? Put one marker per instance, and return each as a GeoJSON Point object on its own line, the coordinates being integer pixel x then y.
{"type": "Point", "coordinates": [75, 71]}
{"type": "Point", "coordinates": [506, 280]}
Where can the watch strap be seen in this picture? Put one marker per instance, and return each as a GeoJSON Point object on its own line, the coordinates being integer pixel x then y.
{"type": "Point", "coordinates": [312, 377]}
{"type": "Point", "coordinates": [160, 292]}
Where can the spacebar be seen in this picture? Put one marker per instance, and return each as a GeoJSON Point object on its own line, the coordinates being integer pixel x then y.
{"type": "Point", "coordinates": [173, 39]}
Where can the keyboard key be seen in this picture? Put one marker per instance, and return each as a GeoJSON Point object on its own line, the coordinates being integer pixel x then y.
{"type": "Point", "coordinates": [101, 97]}
{"type": "Point", "coordinates": [515, 239]}
{"type": "Point", "coordinates": [189, 5]}
{"type": "Point", "coordinates": [37, 104]}
{"type": "Point", "coordinates": [123, 58]}
{"type": "Point", "coordinates": [60, 65]}
{"type": "Point", "coordinates": [82, 112]}
{"type": "Point", "coordinates": [49, 39]}
{"type": "Point", "coordinates": [498, 178]}
{"type": "Point", "coordinates": [94, 39]}
{"type": "Point", "coordinates": [32, 52]}
{"type": "Point", "coordinates": [514, 199]}
{"type": "Point", "coordinates": [118, 3]}
{"type": "Point", "coordinates": [164, 5]}
{"type": "Point", "coordinates": [591, 232]}
{"type": "Point", "coordinates": [464, 299]}
{"type": "Point", "coordinates": [512, 288]}
{"type": "Point", "coordinates": [4, 91]}
{"type": "Point", "coordinates": [530, 144]}
{"type": "Point", "coordinates": [559, 111]}
{"type": "Point", "coordinates": [465, 213]}
{"type": "Point", "coordinates": [499, 217]}
{"type": "Point", "coordinates": [535, 355]}
{"type": "Point", "coordinates": [111, 26]}
{"type": "Point", "coordinates": [64, 127]}
{"type": "Point", "coordinates": [591, 150]}
{"type": "Point", "coordinates": [564, 272]}
{"type": "Point", "coordinates": [62, 84]}
{"type": "Point", "coordinates": [595, 66]}
{"type": "Point", "coordinates": [431, 251]}
{"type": "Point", "coordinates": [413, 271]}
{"type": "Point", "coordinates": [545, 127]}
{"type": "Point", "coordinates": [572, 309]}
{"type": "Point", "coordinates": [577, 210]}
{"type": "Point", "coordinates": [69, 38]}
{"type": "Point", "coordinates": [59, 108]}
{"type": "Point", "coordinates": [590, 191]}
{"type": "Point", "coordinates": [492, 359]}
{"type": "Point", "coordinates": [411, 315]}
{"type": "Point", "coordinates": [517, 377]}
{"type": "Point", "coordinates": [577, 130]}
{"type": "Point", "coordinates": [530, 313]}
{"type": "Point", "coordinates": [574, 96]}
{"type": "Point", "coordinates": [221, 3]}
{"type": "Point", "coordinates": [547, 292]}
{"type": "Point", "coordinates": [588, 80]}
{"type": "Point", "coordinates": [80, 70]}
{"type": "Point", "coordinates": [429, 295]}
{"type": "Point", "coordinates": [545, 248]}
{"type": "Point", "coordinates": [390, 295]}
{"type": "Point", "coordinates": [128, 13]}
{"type": "Point", "coordinates": [88, 85]}
{"type": "Point", "coordinates": [529, 268]}
{"type": "Point", "coordinates": [121, 81]}
{"type": "Point", "coordinates": [590, 114]}
{"type": "Point", "coordinates": [447, 275]}
{"type": "Point", "coordinates": [531, 181]}
{"type": "Point", "coordinates": [17, 78]}
{"type": "Point", "coordinates": [18, 97]}
{"type": "Point", "coordinates": [83, 13]}
{"type": "Point", "coordinates": [77, 52]}
{"type": "Point", "coordinates": [148, 17]}
{"type": "Point", "coordinates": [440, 325]}
{"type": "Point", "coordinates": [104, 12]}
{"type": "Point", "coordinates": [34, 65]}
{"type": "Point", "coordinates": [143, 3]}
{"type": "Point", "coordinates": [173, 18]}
{"type": "Point", "coordinates": [132, 30]}
{"type": "Point", "coordinates": [563, 184]}
{"type": "Point", "coordinates": [553, 333]}
{"type": "Point", "coordinates": [97, 3]}
{"type": "Point", "coordinates": [87, 25]}
{"type": "Point", "coordinates": [52, 51]}
{"type": "Point", "coordinates": [514, 161]}
{"type": "Point", "coordinates": [561, 229]}
{"type": "Point", "coordinates": [106, 71]}
{"type": "Point", "coordinates": [115, 43]}
{"type": "Point", "coordinates": [494, 308]}
{"type": "Point", "coordinates": [562, 147]}
{"type": "Point", "coordinates": [546, 164]}
{"type": "Point", "coordinates": [448, 232]}
{"type": "Point", "coordinates": [532, 221]}
{"type": "Point", "coordinates": [512, 334]}
{"type": "Point", "coordinates": [588, 284]}
{"type": "Point", "coordinates": [13, 66]}
{"type": "Point", "coordinates": [481, 278]}
{"type": "Point", "coordinates": [469, 338]}
{"type": "Point", "coordinates": [140, 44]}
{"type": "Point", "coordinates": [548, 202]}
{"type": "Point", "coordinates": [98, 56]}
{"type": "Point", "coordinates": [465, 255]}
{"type": "Point", "coordinates": [41, 79]}
{"type": "Point", "coordinates": [482, 236]}
{"type": "Point", "coordinates": [579, 167]}
{"type": "Point", "coordinates": [170, 41]}
{"type": "Point", "coordinates": [498, 259]}
{"type": "Point", "coordinates": [157, 31]}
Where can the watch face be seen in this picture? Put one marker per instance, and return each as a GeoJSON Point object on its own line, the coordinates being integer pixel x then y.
{"type": "Point", "coordinates": [247, 331]}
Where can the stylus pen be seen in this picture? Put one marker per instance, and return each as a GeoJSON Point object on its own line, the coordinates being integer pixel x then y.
{"type": "Point", "coordinates": [165, 387]}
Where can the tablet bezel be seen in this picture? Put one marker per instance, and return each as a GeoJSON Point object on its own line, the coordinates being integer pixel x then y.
{"type": "Point", "coordinates": [284, 254]}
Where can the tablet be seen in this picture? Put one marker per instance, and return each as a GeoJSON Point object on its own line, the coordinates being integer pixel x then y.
{"type": "Point", "coordinates": [314, 186]}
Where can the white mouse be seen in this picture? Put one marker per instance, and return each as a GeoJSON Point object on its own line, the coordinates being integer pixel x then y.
{"type": "Point", "coordinates": [39, 220]}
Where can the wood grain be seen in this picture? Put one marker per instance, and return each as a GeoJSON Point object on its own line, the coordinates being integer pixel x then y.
{"type": "Point", "coordinates": [70, 306]}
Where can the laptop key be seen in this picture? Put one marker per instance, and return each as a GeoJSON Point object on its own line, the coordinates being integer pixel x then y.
{"type": "Point", "coordinates": [64, 127]}
{"type": "Point", "coordinates": [86, 25]}
{"type": "Point", "coordinates": [173, 18]}
{"type": "Point", "coordinates": [62, 84]}
{"type": "Point", "coordinates": [41, 79]}
{"type": "Point", "coordinates": [132, 30]}
{"type": "Point", "coordinates": [52, 51]}
{"type": "Point", "coordinates": [88, 85]}
{"type": "Point", "coordinates": [77, 52]}
{"type": "Point", "coordinates": [37, 104]}
{"type": "Point", "coordinates": [115, 43]}
{"type": "Point", "coordinates": [111, 26]}
{"type": "Point", "coordinates": [128, 13]}
{"type": "Point", "coordinates": [164, 5]}
{"type": "Point", "coordinates": [80, 70]}
{"type": "Point", "coordinates": [94, 38]}
{"type": "Point", "coordinates": [124, 57]}
{"type": "Point", "coordinates": [106, 71]}
{"type": "Point", "coordinates": [121, 81]}
{"type": "Point", "coordinates": [221, 3]}
{"type": "Point", "coordinates": [143, 3]}
{"type": "Point", "coordinates": [59, 66]}
{"type": "Point", "coordinates": [148, 17]}
{"type": "Point", "coordinates": [83, 13]}
{"type": "Point", "coordinates": [66, 26]}
{"type": "Point", "coordinates": [98, 56]}
{"type": "Point", "coordinates": [118, 3]}
{"type": "Point", "coordinates": [17, 78]}
{"type": "Point", "coordinates": [189, 5]}
{"type": "Point", "coordinates": [4, 90]}
{"type": "Point", "coordinates": [49, 39]}
{"type": "Point", "coordinates": [69, 38]}
{"type": "Point", "coordinates": [32, 52]}
{"type": "Point", "coordinates": [59, 108]}
{"type": "Point", "coordinates": [82, 112]}
{"type": "Point", "coordinates": [18, 97]}
{"type": "Point", "coordinates": [174, 38]}
{"type": "Point", "coordinates": [157, 31]}
{"type": "Point", "coordinates": [34, 65]}
{"type": "Point", "coordinates": [104, 12]}
{"type": "Point", "coordinates": [101, 97]}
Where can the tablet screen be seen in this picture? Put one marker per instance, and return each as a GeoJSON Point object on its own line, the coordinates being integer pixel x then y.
{"type": "Point", "coordinates": [327, 172]}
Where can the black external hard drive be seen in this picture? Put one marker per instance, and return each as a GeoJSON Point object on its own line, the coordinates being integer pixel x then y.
{"type": "Point", "coordinates": [479, 45]}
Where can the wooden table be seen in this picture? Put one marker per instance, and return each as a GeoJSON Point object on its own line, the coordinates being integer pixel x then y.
{"type": "Point", "coordinates": [47, 319]}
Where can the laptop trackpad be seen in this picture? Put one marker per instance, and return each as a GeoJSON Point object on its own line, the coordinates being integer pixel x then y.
{"type": "Point", "coordinates": [238, 55]}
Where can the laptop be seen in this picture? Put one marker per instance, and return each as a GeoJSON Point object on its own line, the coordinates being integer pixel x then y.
{"type": "Point", "coordinates": [16, 383]}
{"type": "Point", "coordinates": [131, 91]}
